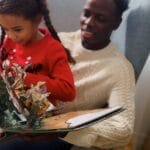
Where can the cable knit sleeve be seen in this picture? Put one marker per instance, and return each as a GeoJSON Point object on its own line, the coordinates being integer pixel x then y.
{"type": "Point", "coordinates": [116, 131]}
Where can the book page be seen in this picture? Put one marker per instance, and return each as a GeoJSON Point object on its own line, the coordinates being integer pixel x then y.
{"type": "Point", "coordinates": [69, 121]}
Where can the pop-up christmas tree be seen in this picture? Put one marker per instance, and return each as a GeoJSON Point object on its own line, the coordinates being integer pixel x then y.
{"type": "Point", "coordinates": [21, 105]}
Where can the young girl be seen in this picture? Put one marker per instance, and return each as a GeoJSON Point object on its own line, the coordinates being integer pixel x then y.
{"type": "Point", "coordinates": [22, 42]}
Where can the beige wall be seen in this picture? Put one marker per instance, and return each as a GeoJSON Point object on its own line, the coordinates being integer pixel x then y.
{"type": "Point", "coordinates": [65, 14]}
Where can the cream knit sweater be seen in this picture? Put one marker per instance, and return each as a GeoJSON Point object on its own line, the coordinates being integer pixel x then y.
{"type": "Point", "coordinates": [102, 77]}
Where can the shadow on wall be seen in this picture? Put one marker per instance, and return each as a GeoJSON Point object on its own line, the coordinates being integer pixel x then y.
{"type": "Point", "coordinates": [138, 37]}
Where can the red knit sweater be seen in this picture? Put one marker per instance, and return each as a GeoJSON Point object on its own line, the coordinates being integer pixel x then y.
{"type": "Point", "coordinates": [50, 55]}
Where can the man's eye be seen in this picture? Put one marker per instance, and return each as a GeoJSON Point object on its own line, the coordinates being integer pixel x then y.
{"type": "Point", "coordinates": [86, 13]}
{"type": "Point", "coordinates": [101, 19]}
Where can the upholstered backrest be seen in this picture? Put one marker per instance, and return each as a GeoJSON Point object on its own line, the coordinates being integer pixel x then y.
{"type": "Point", "coordinates": [142, 103]}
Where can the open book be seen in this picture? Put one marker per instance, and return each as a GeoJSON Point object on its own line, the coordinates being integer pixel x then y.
{"type": "Point", "coordinates": [68, 121]}
{"type": "Point", "coordinates": [28, 109]}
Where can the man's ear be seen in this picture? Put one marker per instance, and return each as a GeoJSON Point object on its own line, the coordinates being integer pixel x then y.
{"type": "Point", "coordinates": [117, 23]}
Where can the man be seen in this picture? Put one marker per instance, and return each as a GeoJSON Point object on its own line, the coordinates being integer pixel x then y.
{"type": "Point", "coordinates": [103, 77]}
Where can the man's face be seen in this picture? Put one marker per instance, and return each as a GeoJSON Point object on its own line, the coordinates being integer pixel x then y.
{"type": "Point", "coordinates": [98, 20]}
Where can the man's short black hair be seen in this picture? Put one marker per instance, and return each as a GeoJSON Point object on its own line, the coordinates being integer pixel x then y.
{"type": "Point", "coordinates": [122, 5]}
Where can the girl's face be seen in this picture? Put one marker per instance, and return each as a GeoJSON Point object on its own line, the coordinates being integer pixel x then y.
{"type": "Point", "coordinates": [19, 29]}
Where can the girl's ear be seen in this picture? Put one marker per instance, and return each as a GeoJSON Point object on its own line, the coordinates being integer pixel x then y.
{"type": "Point", "coordinates": [38, 19]}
